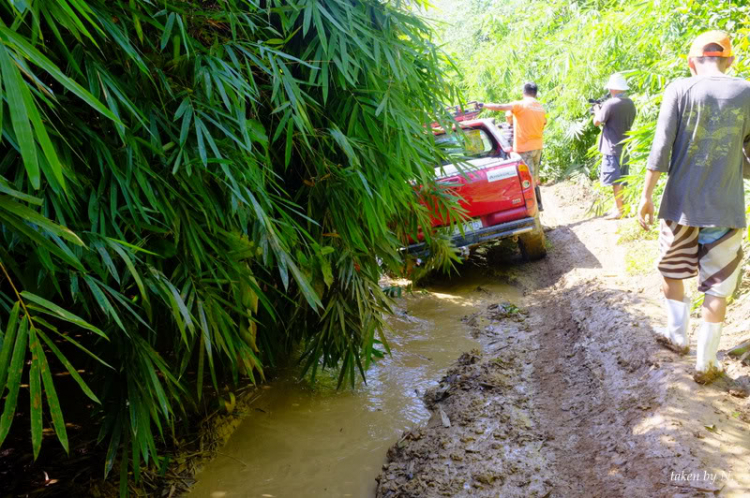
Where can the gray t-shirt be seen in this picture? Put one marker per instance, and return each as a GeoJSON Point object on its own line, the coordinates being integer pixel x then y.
{"type": "Point", "coordinates": [617, 114]}
{"type": "Point", "coordinates": [704, 123]}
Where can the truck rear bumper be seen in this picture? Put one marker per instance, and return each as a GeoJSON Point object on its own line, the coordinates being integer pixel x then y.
{"type": "Point", "coordinates": [485, 234]}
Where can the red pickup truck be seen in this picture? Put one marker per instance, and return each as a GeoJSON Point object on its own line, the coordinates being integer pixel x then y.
{"type": "Point", "coordinates": [494, 186]}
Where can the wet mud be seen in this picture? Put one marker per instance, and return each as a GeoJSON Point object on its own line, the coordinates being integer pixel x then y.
{"type": "Point", "coordinates": [573, 396]}
{"type": "Point", "coordinates": [484, 438]}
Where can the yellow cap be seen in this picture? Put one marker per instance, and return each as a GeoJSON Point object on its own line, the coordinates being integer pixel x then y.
{"type": "Point", "coordinates": [719, 38]}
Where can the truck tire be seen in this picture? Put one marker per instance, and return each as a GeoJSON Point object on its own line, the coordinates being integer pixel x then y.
{"type": "Point", "coordinates": [532, 244]}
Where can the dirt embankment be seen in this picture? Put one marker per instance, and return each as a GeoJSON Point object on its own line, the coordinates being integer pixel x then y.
{"type": "Point", "coordinates": [571, 395]}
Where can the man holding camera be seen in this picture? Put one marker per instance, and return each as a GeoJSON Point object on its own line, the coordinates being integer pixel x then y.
{"type": "Point", "coordinates": [703, 126]}
{"type": "Point", "coordinates": [528, 124]}
{"type": "Point", "coordinates": [616, 115]}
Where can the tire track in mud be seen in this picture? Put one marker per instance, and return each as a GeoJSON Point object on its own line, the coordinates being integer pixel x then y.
{"type": "Point", "coordinates": [584, 408]}
{"type": "Point", "coordinates": [600, 385]}
{"type": "Point", "coordinates": [572, 384]}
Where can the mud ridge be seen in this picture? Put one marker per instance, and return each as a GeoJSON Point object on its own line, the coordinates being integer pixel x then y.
{"type": "Point", "coordinates": [483, 438]}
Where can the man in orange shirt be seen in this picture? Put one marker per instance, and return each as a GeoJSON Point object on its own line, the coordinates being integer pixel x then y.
{"type": "Point", "coordinates": [528, 123]}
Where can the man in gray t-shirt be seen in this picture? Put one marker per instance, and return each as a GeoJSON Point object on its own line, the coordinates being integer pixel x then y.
{"type": "Point", "coordinates": [703, 126]}
{"type": "Point", "coordinates": [616, 115]}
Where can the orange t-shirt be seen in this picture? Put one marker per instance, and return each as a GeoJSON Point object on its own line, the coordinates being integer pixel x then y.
{"type": "Point", "coordinates": [528, 124]}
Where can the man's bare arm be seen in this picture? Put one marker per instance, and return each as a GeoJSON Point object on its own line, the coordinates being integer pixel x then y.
{"type": "Point", "coordinates": [498, 107]}
{"type": "Point", "coordinates": [597, 118]}
{"type": "Point", "coordinates": [646, 206]}
{"type": "Point", "coordinates": [649, 183]}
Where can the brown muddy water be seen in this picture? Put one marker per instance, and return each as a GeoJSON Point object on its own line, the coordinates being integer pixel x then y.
{"type": "Point", "coordinates": [303, 442]}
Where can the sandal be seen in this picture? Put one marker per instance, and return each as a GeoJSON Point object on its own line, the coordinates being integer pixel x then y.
{"type": "Point", "coordinates": [614, 216]}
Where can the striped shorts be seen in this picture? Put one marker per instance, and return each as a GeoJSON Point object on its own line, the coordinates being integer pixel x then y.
{"type": "Point", "coordinates": [717, 264]}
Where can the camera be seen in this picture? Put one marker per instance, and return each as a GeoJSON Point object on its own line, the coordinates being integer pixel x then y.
{"type": "Point", "coordinates": [594, 102]}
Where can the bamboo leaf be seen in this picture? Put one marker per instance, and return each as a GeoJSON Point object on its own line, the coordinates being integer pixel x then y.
{"type": "Point", "coordinates": [289, 143]}
{"type": "Point", "coordinates": [69, 367]}
{"type": "Point", "coordinates": [199, 138]}
{"type": "Point", "coordinates": [73, 342]}
{"type": "Point", "coordinates": [14, 380]}
{"type": "Point", "coordinates": [40, 60]}
{"type": "Point", "coordinates": [307, 18]}
{"type": "Point", "coordinates": [61, 313]}
{"type": "Point", "coordinates": [165, 36]}
{"type": "Point", "coordinates": [155, 386]}
{"type": "Point", "coordinates": [103, 301]}
{"type": "Point", "coordinates": [19, 114]}
{"type": "Point", "coordinates": [323, 11]}
{"type": "Point", "coordinates": [320, 28]}
{"type": "Point", "coordinates": [35, 393]}
{"type": "Point", "coordinates": [31, 216]}
{"type": "Point", "coordinates": [43, 138]}
{"type": "Point", "coordinates": [56, 248]}
{"type": "Point", "coordinates": [5, 188]}
{"type": "Point", "coordinates": [52, 400]}
{"type": "Point", "coordinates": [136, 21]}
{"type": "Point", "coordinates": [108, 262]}
{"type": "Point", "coordinates": [114, 444]}
{"type": "Point", "coordinates": [8, 343]}
{"type": "Point", "coordinates": [131, 267]}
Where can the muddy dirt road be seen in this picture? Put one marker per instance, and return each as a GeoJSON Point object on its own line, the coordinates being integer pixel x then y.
{"type": "Point", "coordinates": [571, 395]}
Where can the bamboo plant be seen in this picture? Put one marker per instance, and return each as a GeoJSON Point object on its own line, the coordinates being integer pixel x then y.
{"type": "Point", "coordinates": [191, 189]}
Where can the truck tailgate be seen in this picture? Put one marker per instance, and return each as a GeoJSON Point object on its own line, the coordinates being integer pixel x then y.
{"type": "Point", "coordinates": [489, 186]}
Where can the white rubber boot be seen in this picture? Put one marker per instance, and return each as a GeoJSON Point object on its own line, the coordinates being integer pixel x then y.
{"type": "Point", "coordinates": [678, 320]}
{"type": "Point", "coordinates": [707, 366]}
{"type": "Point", "coordinates": [709, 336]}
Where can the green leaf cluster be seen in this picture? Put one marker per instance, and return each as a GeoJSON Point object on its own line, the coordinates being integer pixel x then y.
{"type": "Point", "coordinates": [570, 48]}
{"type": "Point", "coordinates": [191, 189]}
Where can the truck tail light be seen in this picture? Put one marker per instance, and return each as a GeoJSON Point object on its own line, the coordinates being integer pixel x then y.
{"type": "Point", "coordinates": [525, 175]}
{"type": "Point", "coordinates": [528, 192]}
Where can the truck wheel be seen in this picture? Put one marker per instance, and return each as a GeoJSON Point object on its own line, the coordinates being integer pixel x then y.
{"type": "Point", "coordinates": [532, 244]}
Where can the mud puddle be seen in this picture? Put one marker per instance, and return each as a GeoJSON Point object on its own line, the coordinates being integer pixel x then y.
{"type": "Point", "coordinates": [299, 441]}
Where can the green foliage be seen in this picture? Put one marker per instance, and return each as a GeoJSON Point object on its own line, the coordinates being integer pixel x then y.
{"type": "Point", "coordinates": [632, 232]}
{"type": "Point", "coordinates": [191, 188]}
{"type": "Point", "coordinates": [569, 48]}
{"type": "Point", "coordinates": [640, 259]}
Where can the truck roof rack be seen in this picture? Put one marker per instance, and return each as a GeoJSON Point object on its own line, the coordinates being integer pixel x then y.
{"type": "Point", "coordinates": [470, 111]}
